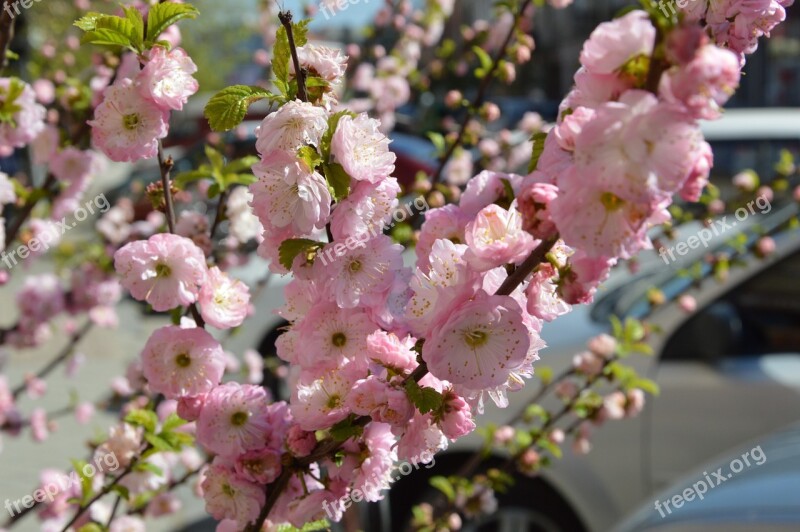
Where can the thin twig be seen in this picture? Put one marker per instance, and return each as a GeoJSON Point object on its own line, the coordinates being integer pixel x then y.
{"type": "Point", "coordinates": [27, 209]}
{"type": "Point", "coordinates": [481, 95]}
{"type": "Point", "coordinates": [61, 357]}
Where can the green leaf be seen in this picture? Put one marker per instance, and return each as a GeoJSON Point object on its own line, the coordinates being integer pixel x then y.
{"type": "Point", "coordinates": [147, 466]}
{"type": "Point", "coordinates": [484, 58]}
{"type": "Point", "coordinates": [280, 60]}
{"type": "Point", "coordinates": [88, 22]}
{"type": "Point", "coordinates": [309, 155]}
{"type": "Point", "coordinates": [538, 147]}
{"type": "Point", "coordinates": [86, 482]}
{"type": "Point", "coordinates": [325, 142]}
{"type": "Point", "coordinates": [164, 15]}
{"type": "Point", "coordinates": [9, 97]}
{"type": "Point", "coordinates": [226, 109]}
{"type": "Point", "coordinates": [634, 331]}
{"type": "Point", "coordinates": [214, 190]}
{"type": "Point", "coordinates": [134, 16]}
{"type": "Point", "coordinates": [438, 141]}
{"type": "Point", "coordinates": [293, 247]}
{"type": "Point", "coordinates": [425, 399]}
{"type": "Point", "coordinates": [215, 158]}
{"type": "Point", "coordinates": [646, 385]}
{"type": "Point", "coordinates": [159, 443]}
{"type": "Point", "coordinates": [239, 179]}
{"type": "Point", "coordinates": [184, 178]}
{"type": "Point", "coordinates": [91, 527]}
{"type": "Point", "coordinates": [237, 166]}
{"type": "Point", "coordinates": [143, 418]}
{"type": "Point", "coordinates": [616, 327]}
{"type": "Point", "coordinates": [338, 180]}
{"type": "Point", "coordinates": [300, 32]}
{"type": "Point", "coordinates": [172, 422]}
{"type": "Point", "coordinates": [346, 429]}
{"type": "Point", "coordinates": [122, 491]}
{"type": "Point", "coordinates": [444, 485]}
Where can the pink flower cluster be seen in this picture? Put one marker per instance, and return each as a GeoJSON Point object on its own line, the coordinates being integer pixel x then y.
{"type": "Point", "coordinates": [134, 114]}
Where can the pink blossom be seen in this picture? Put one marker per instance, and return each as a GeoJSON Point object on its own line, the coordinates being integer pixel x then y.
{"type": "Point", "coordinates": [27, 119]}
{"type": "Point", "coordinates": [39, 426]}
{"type": "Point", "coordinates": [165, 270]}
{"type": "Point", "coordinates": [390, 351]}
{"type": "Point", "coordinates": [126, 126]}
{"type": "Point", "coordinates": [496, 237]}
{"type": "Point", "coordinates": [456, 420]}
{"type": "Point", "coordinates": [421, 435]}
{"type": "Point", "coordinates": [543, 300]}
{"type": "Point", "coordinates": [480, 344]}
{"type": "Point", "coordinates": [361, 274]}
{"type": "Point", "coordinates": [369, 471]}
{"type": "Point", "coordinates": [583, 276]}
{"type": "Point", "coordinates": [163, 504]}
{"type": "Point", "coordinates": [327, 63]}
{"type": "Point", "coordinates": [603, 345]}
{"type": "Point", "coordinates": [123, 442]}
{"type": "Point", "coordinates": [233, 420]}
{"type": "Point", "coordinates": [229, 497]}
{"type": "Point", "coordinates": [448, 222]}
{"type": "Point", "coordinates": [127, 523]}
{"type": "Point", "coordinates": [7, 194]}
{"type": "Point", "coordinates": [533, 202]}
{"type": "Point", "coordinates": [261, 466]}
{"type": "Point", "coordinates": [614, 43]}
{"type": "Point", "coordinates": [71, 164]}
{"type": "Point", "coordinates": [182, 362]}
{"type": "Point", "coordinates": [687, 303]}
{"type": "Point", "coordinates": [361, 149]}
{"type": "Point", "coordinates": [292, 126]}
{"type": "Point", "coordinates": [486, 188]}
{"type": "Point", "coordinates": [224, 301]}
{"type": "Point", "coordinates": [366, 211]}
{"type": "Point", "coordinates": [319, 399]}
{"type": "Point", "coordinates": [167, 78]}
{"type": "Point", "coordinates": [703, 85]}
{"type": "Point", "coordinates": [288, 194]}
{"type": "Point", "coordinates": [40, 299]}
{"type": "Point", "coordinates": [693, 187]}
{"type": "Point", "coordinates": [189, 407]}
{"type": "Point", "coordinates": [376, 398]}
{"type": "Point", "coordinates": [333, 336]}
{"type": "Point", "coordinates": [300, 442]}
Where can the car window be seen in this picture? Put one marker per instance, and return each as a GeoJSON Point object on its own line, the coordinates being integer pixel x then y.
{"type": "Point", "coordinates": [760, 316]}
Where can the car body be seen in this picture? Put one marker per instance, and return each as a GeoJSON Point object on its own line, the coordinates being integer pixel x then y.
{"type": "Point", "coordinates": [763, 495]}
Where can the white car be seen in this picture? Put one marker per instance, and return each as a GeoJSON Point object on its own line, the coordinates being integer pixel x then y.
{"type": "Point", "coordinates": [726, 373]}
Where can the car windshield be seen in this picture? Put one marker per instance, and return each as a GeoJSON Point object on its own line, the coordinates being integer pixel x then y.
{"type": "Point", "coordinates": [630, 298]}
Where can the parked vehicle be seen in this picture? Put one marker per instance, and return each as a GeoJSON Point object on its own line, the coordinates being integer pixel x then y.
{"type": "Point", "coordinates": [759, 495]}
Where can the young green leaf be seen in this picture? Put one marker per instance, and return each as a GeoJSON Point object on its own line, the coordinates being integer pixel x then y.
{"type": "Point", "coordinates": [338, 180]}
{"type": "Point", "coordinates": [425, 399]}
{"type": "Point", "coordinates": [291, 248]}
{"type": "Point", "coordinates": [538, 147]}
{"type": "Point", "coordinates": [226, 109]}
{"type": "Point", "coordinates": [164, 15]}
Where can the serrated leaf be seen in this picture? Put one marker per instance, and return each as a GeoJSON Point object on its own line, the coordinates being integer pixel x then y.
{"type": "Point", "coordinates": [338, 180]}
{"type": "Point", "coordinates": [291, 248]}
{"type": "Point", "coordinates": [143, 418]}
{"type": "Point", "coordinates": [538, 147]}
{"type": "Point", "coordinates": [106, 37]}
{"type": "Point", "coordinates": [445, 486]}
{"type": "Point", "coordinates": [300, 32]}
{"type": "Point", "coordinates": [239, 179]}
{"type": "Point", "coordinates": [346, 429]}
{"type": "Point", "coordinates": [309, 155]}
{"type": "Point", "coordinates": [424, 398]}
{"type": "Point", "coordinates": [226, 109]}
{"type": "Point", "coordinates": [280, 60]}
{"type": "Point", "coordinates": [164, 15]}
{"type": "Point", "coordinates": [134, 16]}
{"type": "Point", "coordinates": [88, 22]}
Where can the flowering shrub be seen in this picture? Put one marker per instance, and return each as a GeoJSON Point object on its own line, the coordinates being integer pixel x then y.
{"type": "Point", "coordinates": [386, 362]}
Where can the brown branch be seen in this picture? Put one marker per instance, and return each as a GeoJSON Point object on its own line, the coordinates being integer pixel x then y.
{"type": "Point", "coordinates": [286, 19]}
{"type": "Point", "coordinates": [27, 209]}
{"type": "Point", "coordinates": [6, 33]}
